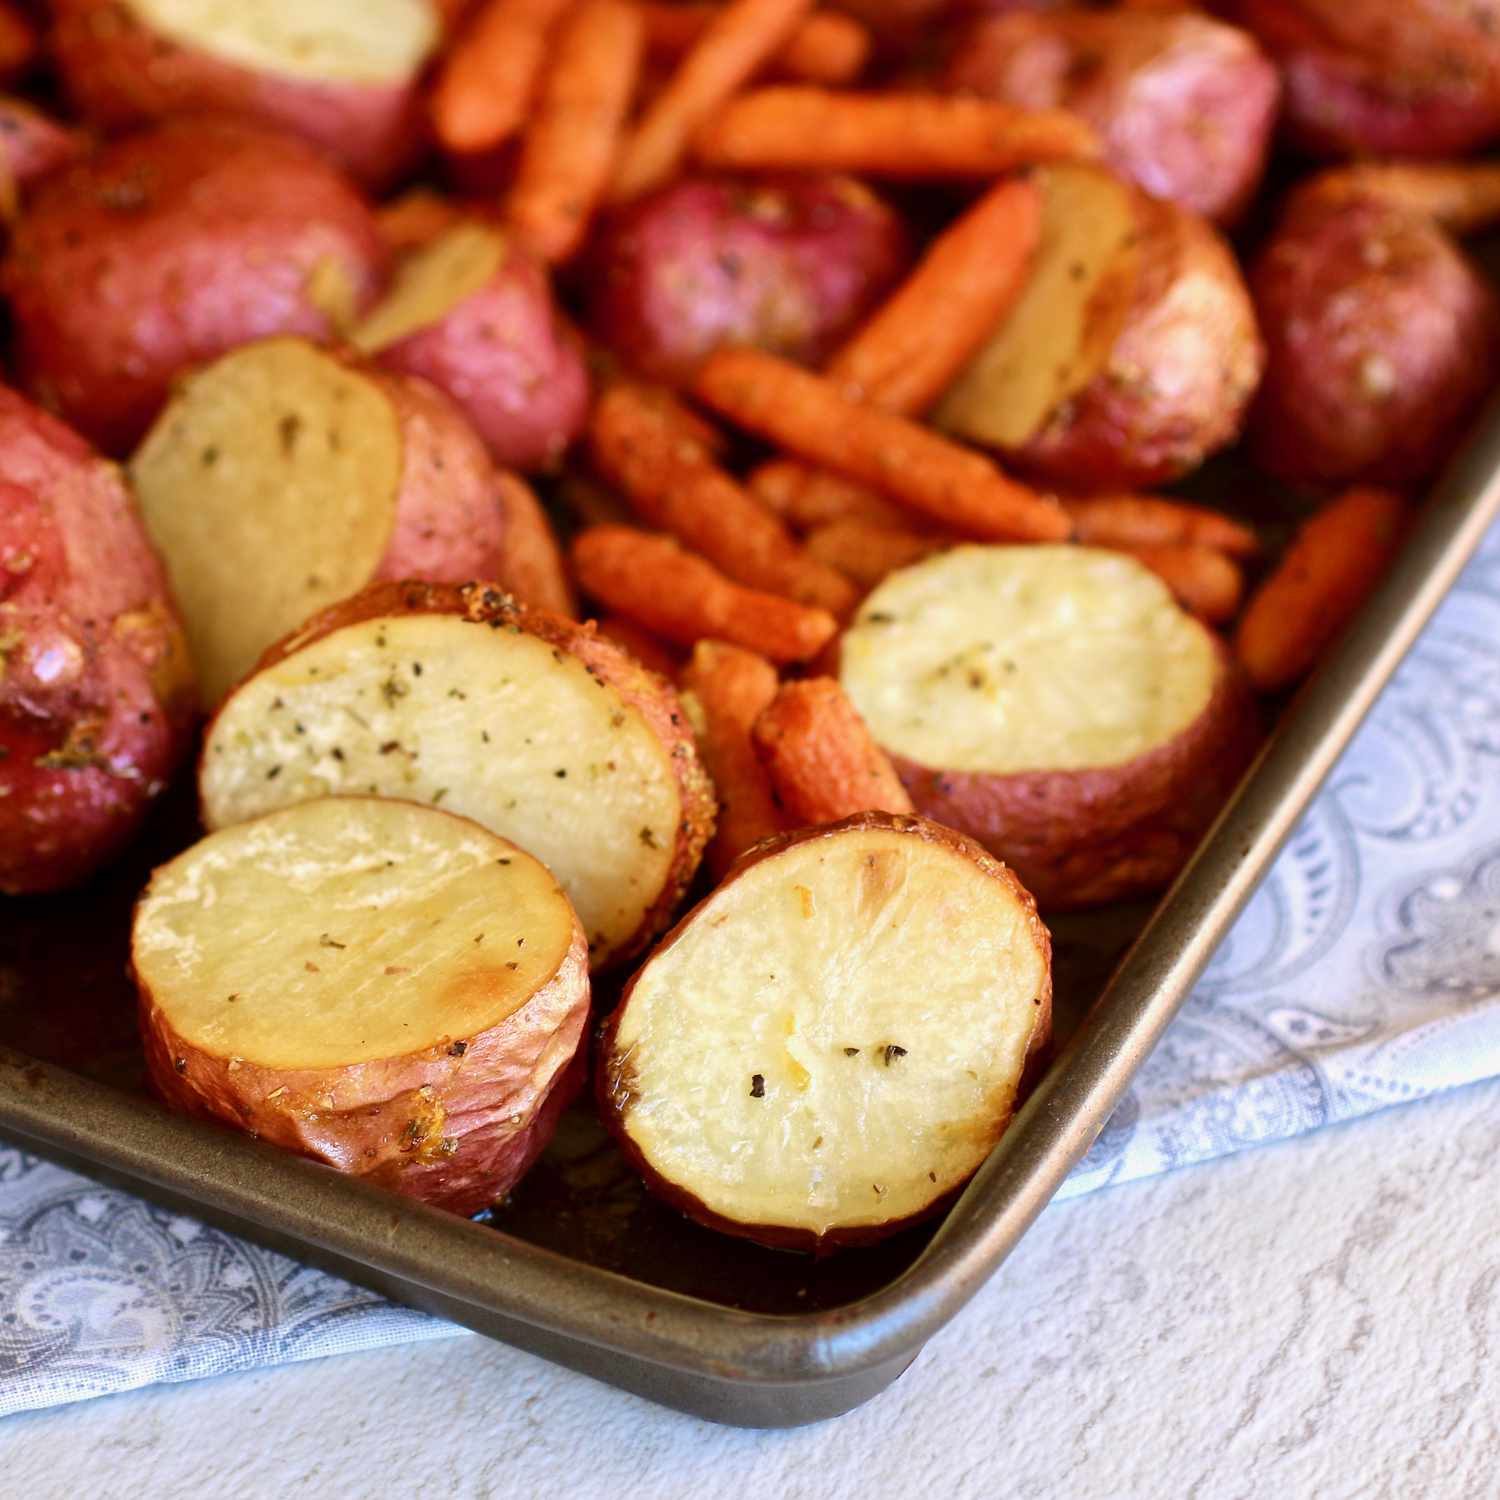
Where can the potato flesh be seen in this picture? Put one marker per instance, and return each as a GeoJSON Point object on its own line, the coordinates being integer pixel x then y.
{"type": "Point", "coordinates": [1058, 336]}
{"type": "Point", "coordinates": [494, 724]}
{"type": "Point", "coordinates": [1010, 659]}
{"type": "Point", "coordinates": [331, 41]}
{"type": "Point", "coordinates": [736, 1039]}
{"type": "Point", "coordinates": [269, 486]}
{"type": "Point", "coordinates": [347, 930]}
{"type": "Point", "coordinates": [430, 283]}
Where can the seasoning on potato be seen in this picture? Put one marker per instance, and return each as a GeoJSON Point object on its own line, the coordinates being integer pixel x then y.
{"type": "Point", "coordinates": [767, 1069]}
{"type": "Point", "coordinates": [455, 696]}
{"type": "Point", "coordinates": [383, 987]}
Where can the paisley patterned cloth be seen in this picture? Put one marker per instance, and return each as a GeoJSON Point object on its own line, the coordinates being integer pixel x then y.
{"type": "Point", "coordinates": [1365, 972]}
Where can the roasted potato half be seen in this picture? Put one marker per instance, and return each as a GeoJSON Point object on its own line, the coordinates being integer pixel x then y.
{"type": "Point", "coordinates": [1056, 704]}
{"type": "Point", "coordinates": [170, 247]}
{"type": "Point", "coordinates": [827, 1047]}
{"type": "Point", "coordinates": [343, 77]}
{"type": "Point", "coordinates": [1130, 356]}
{"type": "Point", "coordinates": [283, 477]}
{"type": "Point", "coordinates": [531, 725]}
{"type": "Point", "coordinates": [383, 987]}
{"type": "Point", "coordinates": [96, 692]}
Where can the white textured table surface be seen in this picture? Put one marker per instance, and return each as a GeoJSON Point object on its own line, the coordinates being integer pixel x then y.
{"type": "Point", "coordinates": [1310, 1319]}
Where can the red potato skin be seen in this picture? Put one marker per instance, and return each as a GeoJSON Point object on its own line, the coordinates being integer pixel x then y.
{"type": "Point", "coordinates": [33, 145]}
{"type": "Point", "coordinates": [1383, 339]}
{"type": "Point", "coordinates": [509, 360]}
{"type": "Point", "coordinates": [96, 696]}
{"type": "Point", "coordinates": [1180, 375]}
{"type": "Point", "coordinates": [1383, 77]}
{"type": "Point", "coordinates": [449, 526]}
{"type": "Point", "coordinates": [1089, 837]}
{"type": "Point", "coordinates": [651, 695]}
{"type": "Point", "coordinates": [457, 1147]}
{"type": "Point", "coordinates": [1185, 106]}
{"type": "Point", "coordinates": [120, 74]}
{"type": "Point", "coordinates": [787, 265]}
{"type": "Point", "coordinates": [167, 249]}
{"type": "Point", "coordinates": [612, 1092]}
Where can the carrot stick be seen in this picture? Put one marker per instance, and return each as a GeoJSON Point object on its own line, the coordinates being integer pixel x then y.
{"type": "Point", "coordinates": [826, 47]}
{"type": "Point", "coordinates": [674, 485]}
{"type": "Point", "coordinates": [1150, 521]}
{"type": "Point", "coordinates": [1331, 567]}
{"type": "Point", "coordinates": [651, 580]}
{"type": "Point", "coordinates": [733, 47]}
{"type": "Point", "coordinates": [867, 553]}
{"type": "Point", "coordinates": [572, 141]}
{"type": "Point", "coordinates": [916, 345]}
{"type": "Point", "coordinates": [820, 757]}
{"type": "Point", "coordinates": [1204, 582]}
{"type": "Point", "coordinates": [485, 84]}
{"type": "Point", "coordinates": [889, 135]}
{"type": "Point", "coordinates": [731, 688]}
{"type": "Point", "coordinates": [532, 565]}
{"type": "Point", "coordinates": [806, 415]}
{"type": "Point", "coordinates": [650, 650]}
{"type": "Point", "coordinates": [805, 497]}
{"type": "Point", "coordinates": [18, 43]}
{"type": "Point", "coordinates": [415, 219]}
{"type": "Point", "coordinates": [1462, 196]}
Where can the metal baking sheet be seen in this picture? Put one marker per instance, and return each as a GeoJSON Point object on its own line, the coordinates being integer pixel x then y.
{"type": "Point", "coordinates": [579, 1265]}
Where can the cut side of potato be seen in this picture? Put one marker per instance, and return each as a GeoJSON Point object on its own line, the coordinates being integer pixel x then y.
{"type": "Point", "coordinates": [1058, 336]}
{"type": "Point", "coordinates": [1056, 704]}
{"type": "Point", "coordinates": [828, 1046]}
{"type": "Point", "coordinates": [298, 459]}
{"type": "Point", "coordinates": [1007, 659]}
{"type": "Point", "coordinates": [326, 41]}
{"type": "Point", "coordinates": [430, 283]}
{"type": "Point", "coordinates": [531, 726]}
{"type": "Point", "coordinates": [386, 987]}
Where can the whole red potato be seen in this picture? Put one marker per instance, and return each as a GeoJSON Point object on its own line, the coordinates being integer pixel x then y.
{"type": "Point", "coordinates": [788, 266]}
{"type": "Point", "coordinates": [1184, 105]}
{"type": "Point", "coordinates": [1383, 77]}
{"type": "Point", "coordinates": [344, 78]}
{"type": "Point", "coordinates": [166, 249]}
{"type": "Point", "coordinates": [1382, 339]}
{"type": "Point", "coordinates": [474, 314]}
{"type": "Point", "coordinates": [96, 695]}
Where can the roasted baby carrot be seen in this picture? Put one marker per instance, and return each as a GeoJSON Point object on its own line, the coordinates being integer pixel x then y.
{"type": "Point", "coordinates": [674, 485]}
{"type": "Point", "coordinates": [826, 47]}
{"type": "Point", "coordinates": [648, 649]}
{"type": "Point", "coordinates": [903, 135]}
{"type": "Point", "coordinates": [918, 342]}
{"type": "Point", "coordinates": [415, 219]}
{"type": "Point", "coordinates": [572, 140]}
{"type": "Point", "coordinates": [866, 552]}
{"type": "Point", "coordinates": [1462, 196]}
{"type": "Point", "coordinates": [734, 45]}
{"type": "Point", "coordinates": [1152, 521]}
{"type": "Point", "coordinates": [1331, 567]}
{"type": "Point", "coordinates": [806, 415]}
{"type": "Point", "coordinates": [653, 581]}
{"type": "Point", "coordinates": [532, 566]}
{"type": "Point", "coordinates": [732, 687]}
{"type": "Point", "coordinates": [1204, 582]}
{"type": "Point", "coordinates": [805, 497]}
{"type": "Point", "coordinates": [822, 762]}
{"type": "Point", "coordinates": [486, 82]}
